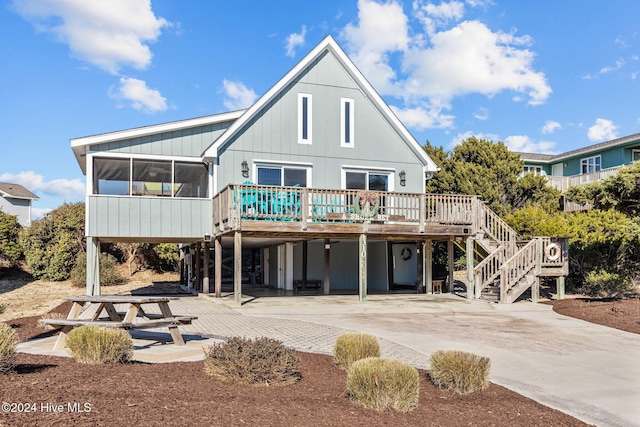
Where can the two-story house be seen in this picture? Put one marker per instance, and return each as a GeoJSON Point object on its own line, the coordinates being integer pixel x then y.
{"type": "Point", "coordinates": [16, 200]}
{"type": "Point", "coordinates": [317, 183]}
{"type": "Point", "coordinates": [584, 165]}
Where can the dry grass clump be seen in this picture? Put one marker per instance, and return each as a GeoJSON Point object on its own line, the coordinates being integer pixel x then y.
{"type": "Point", "coordinates": [351, 347]}
{"type": "Point", "coordinates": [379, 383]}
{"type": "Point", "coordinates": [8, 341]}
{"type": "Point", "coordinates": [459, 371]}
{"type": "Point", "coordinates": [2, 308]}
{"type": "Point", "coordinates": [97, 345]}
{"type": "Point", "coordinates": [262, 361]}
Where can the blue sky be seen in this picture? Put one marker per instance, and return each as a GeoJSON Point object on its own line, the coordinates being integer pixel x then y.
{"type": "Point", "coordinates": [542, 76]}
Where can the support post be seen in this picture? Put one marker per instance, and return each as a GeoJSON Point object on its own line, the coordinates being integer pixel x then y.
{"type": "Point", "coordinates": [305, 255]}
{"type": "Point", "coordinates": [362, 255]}
{"type": "Point", "coordinates": [560, 287]}
{"type": "Point", "coordinates": [327, 267]}
{"type": "Point", "coordinates": [237, 268]}
{"type": "Point", "coordinates": [470, 278]}
{"type": "Point", "coordinates": [217, 253]}
{"type": "Point", "coordinates": [205, 276]}
{"type": "Point", "coordinates": [93, 266]}
{"type": "Point", "coordinates": [420, 266]}
{"type": "Point", "coordinates": [428, 255]}
{"type": "Point", "coordinates": [535, 287]}
{"type": "Point", "coordinates": [198, 284]}
{"type": "Point", "coordinates": [450, 267]}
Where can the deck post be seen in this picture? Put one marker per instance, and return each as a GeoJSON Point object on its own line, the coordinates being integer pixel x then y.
{"type": "Point", "coordinates": [362, 275]}
{"type": "Point", "coordinates": [237, 268]}
{"type": "Point", "coordinates": [560, 287]}
{"type": "Point", "coordinates": [327, 266]}
{"type": "Point", "coordinates": [428, 259]}
{"type": "Point", "coordinates": [451, 264]}
{"type": "Point", "coordinates": [470, 278]}
{"type": "Point", "coordinates": [305, 260]}
{"type": "Point", "coordinates": [217, 253]}
{"type": "Point", "coordinates": [198, 283]}
{"type": "Point", "coordinates": [93, 266]}
{"type": "Point", "coordinates": [420, 260]}
{"type": "Point", "coordinates": [205, 276]}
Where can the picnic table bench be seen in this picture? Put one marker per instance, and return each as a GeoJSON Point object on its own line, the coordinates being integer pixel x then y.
{"type": "Point", "coordinates": [87, 310]}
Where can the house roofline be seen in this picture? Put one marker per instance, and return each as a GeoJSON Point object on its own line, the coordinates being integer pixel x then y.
{"type": "Point", "coordinates": [555, 158]}
{"type": "Point", "coordinates": [79, 145]}
{"type": "Point", "coordinates": [328, 43]}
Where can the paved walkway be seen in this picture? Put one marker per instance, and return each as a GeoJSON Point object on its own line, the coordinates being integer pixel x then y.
{"type": "Point", "coordinates": [588, 371]}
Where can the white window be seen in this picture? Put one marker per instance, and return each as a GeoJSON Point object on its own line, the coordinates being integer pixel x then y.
{"type": "Point", "coordinates": [305, 122]}
{"type": "Point", "coordinates": [347, 123]}
{"type": "Point", "coordinates": [635, 156]}
{"type": "Point", "coordinates": [536, 170]}
{"type": "Point", "coordinates": [287, 176]}
{"type": "Point", "coordinates": [591, 164]}
{"type": "Point", "coordinates": [367, 180]}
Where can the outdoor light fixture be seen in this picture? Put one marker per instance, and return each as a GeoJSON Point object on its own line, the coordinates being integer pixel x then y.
{"type": "Point", "coordinates": [207, 237]}
{"type": "Point", "coordinates": [403, 177]}
{"type": "Point", "coordinates": [245, 169]}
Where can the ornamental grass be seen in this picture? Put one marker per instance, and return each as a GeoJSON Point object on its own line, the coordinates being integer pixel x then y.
{"type": "Point", "coordinates": [96, 345]}
{"type": "Point", "coordinates": [8, 342]}
{"type": "Point", "coordinates": [459, 371]}
{"type": "Point", "coordinates": [353, 346]}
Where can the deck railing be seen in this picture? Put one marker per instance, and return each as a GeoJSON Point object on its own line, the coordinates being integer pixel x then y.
{"type": "Point", "coordinates": [238, 202]}
{"type": "Point", "coordinates": [563, 183]}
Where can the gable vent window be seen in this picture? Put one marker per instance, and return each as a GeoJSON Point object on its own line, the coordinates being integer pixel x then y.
{"type": "Point", "coordinates": [305, 122]}
{"type": "Point", "coordinates": [347, 122]}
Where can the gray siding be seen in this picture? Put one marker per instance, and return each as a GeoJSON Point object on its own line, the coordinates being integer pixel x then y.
{"type": "Point", "coordinates": [272, 135]}
{"type": "Point", "coordinates": [190, 142]}
{"type": "Point", "coordinates": [173, 219]}
{"type": "Point", "coordinates": [19, 208]}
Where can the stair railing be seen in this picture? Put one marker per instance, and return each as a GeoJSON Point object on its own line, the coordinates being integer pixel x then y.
{"type": "Point", "coordinates": [516, 268]}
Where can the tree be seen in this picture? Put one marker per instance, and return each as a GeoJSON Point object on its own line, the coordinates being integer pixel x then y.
{"type": "Point", "coordinates": [10, 249]}
{"type": "Point", "coordinates": [51, 244]}
{"type": "Point", "coordinates": [489, 170]}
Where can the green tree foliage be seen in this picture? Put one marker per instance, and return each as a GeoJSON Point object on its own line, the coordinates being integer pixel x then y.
{"type": "Point", "coordinates": [10, 249]}
{"type": "Point", "coordinates": [604, 246]}
{"type": "Point", "coordinates": [489, 170]}
{"type": "Point", "coordinates": [51, 244]}
{"type": "Point", "coordinates": [109, 273]}
{"type": "Point", "coordinates": [620, 192]}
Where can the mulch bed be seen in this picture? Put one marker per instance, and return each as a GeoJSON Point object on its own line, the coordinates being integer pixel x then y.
{"type": "Point", "coordinates": [58, 391]}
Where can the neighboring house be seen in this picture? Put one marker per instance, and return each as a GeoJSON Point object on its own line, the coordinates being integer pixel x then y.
{"type": "Point", "coordinates": [316, 184]}
{"type": "Point", "coordinates": [584, 165]}
{"type": "Point", "coordinates": [16, 200]}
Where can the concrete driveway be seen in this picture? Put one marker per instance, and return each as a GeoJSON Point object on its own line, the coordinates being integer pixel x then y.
{"type": "Point", "coordinates": [586, 370]}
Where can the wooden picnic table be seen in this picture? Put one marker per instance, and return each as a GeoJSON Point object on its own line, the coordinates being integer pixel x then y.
{"type": "Point", "coordinates": [89, 309]}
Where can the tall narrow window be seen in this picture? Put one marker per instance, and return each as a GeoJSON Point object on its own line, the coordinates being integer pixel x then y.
{"type": "Point", "coordinates": [305, 123]}
{"type": "Point", "coordinates": [346, 122]}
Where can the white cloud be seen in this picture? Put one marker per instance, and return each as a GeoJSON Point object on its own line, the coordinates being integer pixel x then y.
{"type": "Point", "coordinates": [65, 188]}
{"type": "Point", "coordinates": [107, 34]}
{"type": "Point", "coordinates": [434, 16]}
{"type": "Point", "coordinates": [523, 143]}
{"type": "Point", "coordinates": [423, 118]}
{"type": "Point", "coordinates": [448, 59]}
{"type": "Point", "coordinates": [139, 95]}
{"type": "Point", "coordinates": [295, 40]}
{"type": "Point", "coordinates": [237, 95]}
{"type": "Point", "coordinates": [382, 29]}
{"type": "Point", "coordinates": [603, 130]}
{"type": "Point", "coordinates": [551, 126]}
{"type": "Point", "coordinates": [481, 114]}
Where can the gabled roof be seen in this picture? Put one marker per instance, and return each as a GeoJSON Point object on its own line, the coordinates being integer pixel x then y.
{"type": "Point", "coordinates": [327, 44]}
{"type": "Point", "coordinates": [16, 191]}
{"type": "Point", "coordinates": [590, 149]}
{"type": "Point", "coordinates": [79, 145]}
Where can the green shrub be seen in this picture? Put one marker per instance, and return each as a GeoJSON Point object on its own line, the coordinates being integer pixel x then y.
{"type": "Point", "coordinates": [459, 371]}
{"type": "Point", "coordinates": [379, 383]}
{"type": "Point", "coordinates": [109, 273]}
{"type": "Point", "coordinates": [96, 345]}
{"type": "Point", "coordinates": [601, 283]}
{"type": "Point", "coordinates": [8, 341]}
{"type": "Point", "coordinates": [262, 361]}
{"type": "Point", "coordinates": [354, 346]}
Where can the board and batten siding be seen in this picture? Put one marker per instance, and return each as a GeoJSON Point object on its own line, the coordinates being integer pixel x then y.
{"type": "Point", "coordinates": [273, 134]}
{"type": "Point", "coordinates": [189, 142]}
{"type": "Point", "coordinates": [174, 219]}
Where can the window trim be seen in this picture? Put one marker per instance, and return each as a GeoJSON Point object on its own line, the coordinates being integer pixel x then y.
{"type": "Point", "coordinates": [347, 122]}
{"type": "Point", "coordinates": [283, 165]}
{"type": "Point", "coordinates": [389, 172]}
{"type": "Point", "coordinates": [301, 119]}
{"type": "Point", "coordinates": [597, 166]}
{"type": "Point", "coordinates": [635, 151]}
